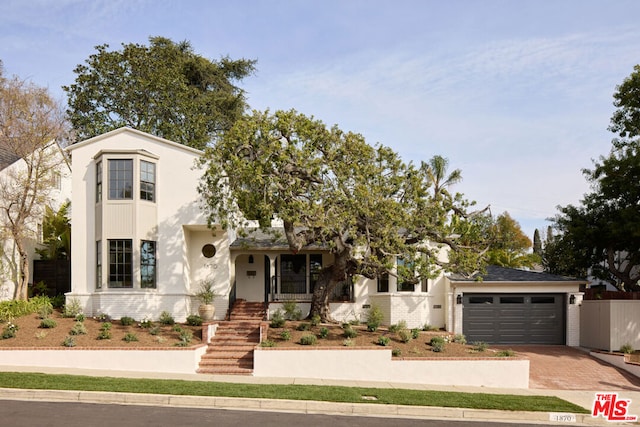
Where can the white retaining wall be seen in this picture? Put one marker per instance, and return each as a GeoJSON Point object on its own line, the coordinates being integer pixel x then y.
{"type": "Point", "coordinates": [378, 365]}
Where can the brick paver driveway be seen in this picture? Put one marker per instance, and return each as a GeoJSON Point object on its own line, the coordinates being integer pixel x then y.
{"type": "Point", "coordinates": [567, 368]}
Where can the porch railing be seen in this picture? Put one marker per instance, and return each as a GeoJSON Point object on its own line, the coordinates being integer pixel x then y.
{"type": "Point", "coordinates": [343, 292]}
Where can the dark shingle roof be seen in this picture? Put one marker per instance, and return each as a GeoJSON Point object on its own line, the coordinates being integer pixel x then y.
{"type": "Point", "coordinates": [7, 157]}
{"type": "Point", "coordinates": [503, 274]}
{"type": "Point", "coordinates": [272, 238]}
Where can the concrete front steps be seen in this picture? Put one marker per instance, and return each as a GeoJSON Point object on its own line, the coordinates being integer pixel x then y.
{"type": "Point", "coordinates": [231, 349]}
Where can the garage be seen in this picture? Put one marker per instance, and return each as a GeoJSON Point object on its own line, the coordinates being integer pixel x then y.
{"type": "Point", "coordinates": [514, 318]}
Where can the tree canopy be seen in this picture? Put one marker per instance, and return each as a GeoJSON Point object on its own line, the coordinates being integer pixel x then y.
{"type": "Point", "coordinates": [31, 124]}
{"type": "Point", "coordinates": [331, 188]}
{"type": "Point", "coordinates": [509, 245]}
{"type": "Point", "coordinates": [603, 232]}
{"type": "Point", "coordinates": [164, 89]}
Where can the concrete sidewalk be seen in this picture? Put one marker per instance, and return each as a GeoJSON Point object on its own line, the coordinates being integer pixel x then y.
{"type": "Point", "coordinates": [582, 398]}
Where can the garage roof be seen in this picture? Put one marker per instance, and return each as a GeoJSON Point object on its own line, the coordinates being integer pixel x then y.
{"type": "Point", "coordinates": [503, 274]}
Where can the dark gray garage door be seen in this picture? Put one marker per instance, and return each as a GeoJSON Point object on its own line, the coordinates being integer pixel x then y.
{"type": "Point", "coordinates": [514, 318]}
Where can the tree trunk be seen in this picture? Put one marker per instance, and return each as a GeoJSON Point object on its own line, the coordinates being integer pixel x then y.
{"type": "Point", "coordinates": [22, 283]}
{"type": "Point", "coordinates": [327, 281]}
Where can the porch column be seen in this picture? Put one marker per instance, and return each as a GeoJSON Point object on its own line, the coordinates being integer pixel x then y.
{"type": "Point", "coordinates": [232, 271]}
{"type": "Point", "coordinates": [272, 273]}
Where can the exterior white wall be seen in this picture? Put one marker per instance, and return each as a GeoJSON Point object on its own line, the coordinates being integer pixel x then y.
{"type": "Point", "coordinates": [9, 258]}
{"type": "Point", "coordinates": [167, 221]}
{"type": "Point", "coordinates": [610, 324]}
{"type": "Point", "coordinates": [250, 277]}
{"type": "Point", "coordinates": [378, 365]}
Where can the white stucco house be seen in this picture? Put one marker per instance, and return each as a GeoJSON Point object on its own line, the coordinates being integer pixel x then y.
{"type": "Point", "coordinates": [141, 246]}
{"type": "Point", "coordinates": [12, 169]}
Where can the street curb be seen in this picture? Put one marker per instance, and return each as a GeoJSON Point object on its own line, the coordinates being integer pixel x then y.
{"type": "Point", "coordinates": [295, 406]}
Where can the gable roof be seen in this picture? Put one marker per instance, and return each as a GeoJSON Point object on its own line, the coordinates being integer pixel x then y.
{"type": "Point", "coordinates": [503, 274]}
{"type": "Point", "coordinates": [133, 132]}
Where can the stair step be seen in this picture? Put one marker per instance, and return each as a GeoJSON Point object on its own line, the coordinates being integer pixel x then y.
{"type": "Point", "coordinates": [226, 371]}
{"type": "Point", "coordinates": [226, 362]}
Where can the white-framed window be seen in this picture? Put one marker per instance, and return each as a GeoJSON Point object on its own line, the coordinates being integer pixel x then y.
{"type": "Point", "coordinates": [99, 264]}
{"type": "Point", "coordinates": [98, 182]}
{"type": "Point", "coordinates": [147, 181]}
{"type": "Point", "coordinates": [120, 179]}
{"type": "Point", "coordinates": [120, 263]}
{"type": "Point", "coordinates": [148, 264]}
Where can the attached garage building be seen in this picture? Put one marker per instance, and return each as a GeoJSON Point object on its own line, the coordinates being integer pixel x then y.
{"type": "Point", "coordinates": [511, 306]}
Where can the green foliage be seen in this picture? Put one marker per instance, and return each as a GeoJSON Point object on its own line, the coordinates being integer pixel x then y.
{"type": "Point", "coordinates": [48, 323]}
{"type": "Point", "coordinates": [427, 328]}
{"type": "Point", "coordinates": [106, 326]}
{"type": "Point", "coordinates": [384, 340]}
{"type": "Point", "coordinates": [285, 335]}
{"type": "Point", "coordinates": [480, 346]}
{"type": "Point", "coordinates": [304, 326]}
{"type": "Point", "coordinates": [187, 98]}
{"type": "Point", "coordinates": [45, 311]}
{"type": "Point", "coordinates": [308, 340]}
{"type": "Point", "coordinates": [348, 342]}
{"type": "Point", "coordinates": [324, 332]}
{"type": "Point", "coordinates": [130, 337]}
{"type": "Point", "coordinates": [375, 316]}
{"type": "Point", "coordinates": [205, 293]}
{"type": "Point", "coordinates": [78, 329]}
{"type": "Point", "coordinates": [127, 321]}
{"type": "Point", "coordinates": [56, 233]}
{"type": "Point", "coordinates": [166, 318]}
{"type": "Point", "coordinates": [103, 317]}
{"type": "Point", "coordinates": [58, 301]}
{"type": "Point", "coordinates": [105, 331]}
{"type": "Point", "coordinates": [510, 246]}
{"type": "Point", "coordinates": [396, 352]}
{"type": "Point", "coordinates": [405, 335]}
{"type": "Point", "coordinates": [506, 353]}
{"type": "Point", "coordinates": [350, 332]}
{"type": "Point", "coordinates": [12, 309]}
{"type": "Point", "coordinates": [80, 317]}
{"type": "Point", "coordinates": [291, 310]}
{"type": "Point", "coordinates": [72, 308]}
{"type": "Point", "coordinates": [460, 339]}
{"type": "Point", "coordinates": [277, 319]}
{"type": "Point", "coordinates": [9, 331]}
{"type": "Point", "coordinates": [69, 341]}
{"type": "Point", "coordinates": [627, 349]}
{"type": "Point", "coordinates": [194, 320]}
{"type": "Point", "coordinates": [268, 343]}
{"type": "Point", "coordinates": [325, 182]}
{"type": "Point", "coordinates": [437, 344]}
{"type": "Point", "coordinates": [415, 333]}
{"type": "Point", "coordinates": [147, 323]}
{"type": "Point", "coordinates": [398, 326]}
{"type": "Point", "coordinates": [154, 330]}
{"type": "Point", "coordinates": [315, 320]}
{"type": "Point", "coordinates": [184, 336]}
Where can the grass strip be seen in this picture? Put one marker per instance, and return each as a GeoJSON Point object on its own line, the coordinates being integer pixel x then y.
{"type": "Point", "coordinates": [505, 402]}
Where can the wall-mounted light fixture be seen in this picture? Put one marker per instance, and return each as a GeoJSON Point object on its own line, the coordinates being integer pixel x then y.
{"type": "Point", "coordinates": [250, 259]}
{"type": "Point", "coordinates": [572, 299]}
{"type": "Point", "coordinates": [459, 299]}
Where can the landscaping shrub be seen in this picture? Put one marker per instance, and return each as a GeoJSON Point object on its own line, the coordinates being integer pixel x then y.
{"type": "Point", "coordinates": [104, 334]}
{"type": "Point", "coordinates": [375, 316]}
{"type": "Point", "coordinates": [166, 318]}
{"type": "Point", "coordinates": [154, 330]}
{"type": "Point", "coordinates": [350, 332]}
{"type": "Point", "coordinates": [626, 349]}
{"type": "Point", "coordinates": [437, 344]}
{"type": "Point", "coordinates": [194, 320]}
{"type": "Point", "coordinates": [127, 321]}
{"type": "Point", "coordinates": [80, 317]}
{"type": "Point", "coordinates": [78, 329]}
{"type": "Point", "coordinates": [308, 340]}
{"type": "Point", "coordinates": [460, 339]}
{"type": "Point", "coordinates": [130, 337]}
{"type": "Point", "coordinates": [324, 332]}
{"type": "Point", "coordinates": [69, 342]}
{"type": "Point", "coordinates": [415, 333]}
{"type": "Point", "coordinates": [405, 335]}
{"type": "Point", "coordinates": [398, 326]}
{"type": "Point", "coordinates": [315, 320]}
{"type": "Point", "coordinates": [384, 341]}
{"type": "Point", "coordinates": [9, 331]}
{"type": "Point", "coordinates": [185, 336]}
{"type": "Point", "coordinates": [506, 353]}
{"type": "Point", "coordinates": [45, 311]}
{"type": "Point", "coordinates": [291, 310]}
{"type": "Point", "coordinates": [48, 323]}
{"type": "Point", "coordinates": [12, 309]}
{"type": "Point", "coordinates": [348, 342]}
{"type": "Point", "coordinates": [304, 327]}
{"type": "Point", "coordinates": [72, 308]}
{"type": "Point", "coordinates": [396, 352]}
{"type": "Point", "coordinates": [268, 343]}
{"type": "Point", "coordinates": [480, 346]}
{"type": "Point", "coordinates": [277, 319]}
{"type": "Point", "coordinates": [285, 335]}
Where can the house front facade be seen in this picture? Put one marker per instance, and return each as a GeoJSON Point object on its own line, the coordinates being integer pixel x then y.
{"type": "Point", "coordinates": [141, 246]}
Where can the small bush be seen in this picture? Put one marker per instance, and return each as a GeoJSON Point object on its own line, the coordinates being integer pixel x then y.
{"type": "Point", "coordinates": [166, 318]}
{"type": "Point", "coordinates": [398, 326]}
{"type": "Point", "coordinates": [45, 311]}
{"type": "Point", "coordinates": [415, 333]}
{"type": "Point", "coordinates": [304, 326]}
{"type": "Point", "coordinates": [194, 320]}
{"type": "Point", "coordinates": [154, 330]}
{"type": "Point", "coordinates": [106, 326]}
{"type": "Point", "coordinates": [428, 328]}
{"type": "Point", "coordinates": [80, 317]}
{"type": "Point", "coordinates": [78, 329]}
{"type": "Point", "coordinates": [405, 335]}
{"type": "Point", "coordinates": [285, 335]}
{"type": "Point", "coordinates": [9, 331]}
{"type": "Point", "coordinates": [291, 310]}
{"type": "Point", "coordinates": [396, 352]}
{"type": "Point", "coordinates": [69, 342]}
{"type": "Point", "coordinates": [268, 343]}
{"type": "Point", "coordinates": [375, 316]}
{"type": "Point", "coordinates": [105, 334]}
{"type": "Point", "coordinates": [185, 336]}
{"type": "Point", "coordinates": [40, 335]}
{"type": "Point", "coordinates": [130, 337]}
{"type": "Point", "coordinates": [506, 353]}
{"type": "Point", "coordinates": [626, 349]}
{"type": "Point", "coordinates": [324, 332]}
{"type": "Point", "coordinates": [480, 346]}
{"type": "Point", "coordinates": [58, 301]}
{"type": "Point", "coordinates": [72, 308]}
{"type": "Point", "coordinates": [48, 323]}
{"type": "Point", "coordinates": [384, 341]}
{"type": "Point", "coordinates": [315, 320]}
{"type": "Point", "coordinates": [277, 319]}
{"type": "Point", "coordinates": [350, 333]}
{"type": "Point", "coordinates": [437, 344]}
{"type": "Point", "coordinates": [308, 340]}
{"type": "Point", "coordinates": [103, 317]}
{"type": "Point", "coordinates": [127, 321]}
{"type": "Point", "coordinates": [176, 328]}
{"type": "Point", "coordinates": [348, 343]}
{"type": "Point", "coordinates": [460, 339]}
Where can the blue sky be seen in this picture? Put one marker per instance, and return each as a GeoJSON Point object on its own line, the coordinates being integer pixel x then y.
{"type": "Point", "coordinates": [516, 94]}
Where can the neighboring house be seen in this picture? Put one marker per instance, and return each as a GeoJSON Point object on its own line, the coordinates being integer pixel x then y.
{"type": "Point", "coordinates": [11, 165]}
{"type": "Point", "coordinates": [141, 246]}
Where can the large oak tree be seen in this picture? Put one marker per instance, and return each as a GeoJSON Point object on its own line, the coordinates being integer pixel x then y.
{"type": "Point", "coordinates": [331, 188]}
{"type": "Point", "coordinates": [164, 89]}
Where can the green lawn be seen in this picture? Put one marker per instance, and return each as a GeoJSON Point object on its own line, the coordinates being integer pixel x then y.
{"type": "Point", "coordinates": [292, 392]}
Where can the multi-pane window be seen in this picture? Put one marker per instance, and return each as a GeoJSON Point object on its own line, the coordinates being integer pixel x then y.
{"type": "Point", "coordinates": [147, 181]}
{"type": "Point", "coordinates": [120, 179]}
{"type": "Point", "coordinates": [120, 265]}
{"type": "Point", "coordinates": [405, 270]}
{"type": "Point", "coordinates": [315, 266]}
{"type": "Point", "coordinates": [293, 274]}
{"type": "Point", "coordinates": [98, 182]}
{"type": "Point", "coordinates": [383, 282]}
{"type": "Point", "coordinates": [99, 264]}
{"type": "Point", "coordinates": [148, 264]}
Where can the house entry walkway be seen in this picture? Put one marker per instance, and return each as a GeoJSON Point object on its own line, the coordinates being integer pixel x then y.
{"type": "Point", "coordinates": [567, 368]}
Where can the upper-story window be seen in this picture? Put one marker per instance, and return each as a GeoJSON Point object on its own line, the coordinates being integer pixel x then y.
{"type": "Point", "coordinates": [120, 179]}
{"type": "Point", "coordinates": [98, 182]}
{"type": "Point", "coordinates": [147, 181]}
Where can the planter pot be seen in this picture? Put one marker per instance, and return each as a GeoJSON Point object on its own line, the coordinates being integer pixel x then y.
{"type": "Point", "coordinates": [206, 311]}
